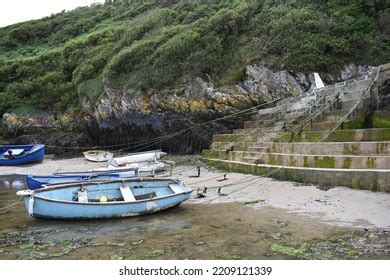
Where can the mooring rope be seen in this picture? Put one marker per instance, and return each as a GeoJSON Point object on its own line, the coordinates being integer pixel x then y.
{"type": "Point", "coordinates": [12, 204]}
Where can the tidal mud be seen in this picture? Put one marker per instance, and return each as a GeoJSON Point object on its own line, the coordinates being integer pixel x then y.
{"type": "Point", "coordinates": [248, 223]}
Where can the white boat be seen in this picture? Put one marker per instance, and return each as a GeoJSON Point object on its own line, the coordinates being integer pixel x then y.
{"type": "Point", "coordinates": [153, 167]}
{"type": "Point", "coordinates": [98, 156]}
{"type": "Point", "coordinates": [149, 156]}
{"type": "Point", "coordinates": [142, 167]}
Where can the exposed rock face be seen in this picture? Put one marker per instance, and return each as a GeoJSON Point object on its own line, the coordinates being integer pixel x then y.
{"type": "Point", "coordinates": [350, 71]}
{"type": "Point", "coordinates": [119, 118]}
{"type": "Point", "coordinates": [269, 85]}
{"type": "Point", "coordinates": [384, 87]}
{"type": "Point", "coordinates": [261, 85]}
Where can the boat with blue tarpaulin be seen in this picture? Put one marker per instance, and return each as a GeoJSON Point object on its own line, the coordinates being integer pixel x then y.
{"type": "Point", "coordinates": [21, 154]}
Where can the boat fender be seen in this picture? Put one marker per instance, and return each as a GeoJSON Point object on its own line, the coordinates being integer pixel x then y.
{"type": "Point", "coordinates": [82, 196]}
{"type": "Point", "coordinates": [31, 206]}
{"type": "Point", "coordinates": [25, 193]}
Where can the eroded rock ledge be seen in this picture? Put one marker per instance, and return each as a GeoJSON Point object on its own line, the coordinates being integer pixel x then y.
{"type": "Point", "coordinates": [119, 118]}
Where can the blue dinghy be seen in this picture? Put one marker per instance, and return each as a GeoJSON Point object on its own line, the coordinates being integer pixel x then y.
{"type": "Point", "coordinates": [105, 199]}
{"type": "Point", "coordinates": [21, 154]}
{"type": "Point", "coordinates": [36, 182]}
{"type": "Point", "coordinates": [99, 171]}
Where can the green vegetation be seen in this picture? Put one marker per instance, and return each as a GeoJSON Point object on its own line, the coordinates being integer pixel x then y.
{"type": "Point", "coordinates": [347, 163]}
{"type": "Point", "coordinates": [371, 162]}
{"type": "Point", "coordinates": [250, 202]}
{"type": "Point", "coordinates": [380, 122]}
{"type": "Point", "coordinates": [354, 124]}
{"type": "Point", "coordinates": [305, 161]}
{"type": "Point", "coordinates": [143, 47]}
{"type": "Point", "coordinates": [343, 246]}
{"type": "Point", "coordinates": [324, 162]}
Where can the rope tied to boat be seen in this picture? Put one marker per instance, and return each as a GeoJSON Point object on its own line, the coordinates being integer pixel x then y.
{"type": "Point", "coordinates": [12, 204]}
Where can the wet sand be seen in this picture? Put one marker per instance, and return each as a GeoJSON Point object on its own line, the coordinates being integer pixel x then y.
{"type": "Point", "coordinates": [337, 206]}
{"type": "Point", "coordinates": [257, 218]}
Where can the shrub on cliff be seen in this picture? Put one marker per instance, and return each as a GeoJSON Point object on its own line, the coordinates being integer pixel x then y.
{"type": "Point", "coordinates": [161, 45]}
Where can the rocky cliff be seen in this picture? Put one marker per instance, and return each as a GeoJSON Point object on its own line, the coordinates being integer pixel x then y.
{"type": "Point", "coordinates": [130, 122]}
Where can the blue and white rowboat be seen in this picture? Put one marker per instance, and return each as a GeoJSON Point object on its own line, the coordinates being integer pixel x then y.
{"type": "Point", "coordinates": [105, 199]}
{"type": "Point", "coordinates": [36, 182]}
{"type": "Point", "coordinates": [99, 171]}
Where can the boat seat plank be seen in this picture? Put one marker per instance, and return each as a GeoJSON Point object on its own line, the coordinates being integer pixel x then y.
{"type": "Point", "coordinates": [127, 194]}
{"type": "Point", "coordinates": [176, 188]}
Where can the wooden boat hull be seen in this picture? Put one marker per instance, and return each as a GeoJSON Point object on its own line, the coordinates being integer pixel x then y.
{"type": "Point", "coordinates": [33, 153]}
{"type": "Point", "coordinates": [50, 206]}
{"type": "Point", "coordinates": [98, 156]}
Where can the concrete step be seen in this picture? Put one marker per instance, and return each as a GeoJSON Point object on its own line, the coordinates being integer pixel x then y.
{"type": "Point", "coordinates": [257, 149]}
{"type": "Point", "coordinates": [336, 115]}
{"type": "Point", "coordinates": [324, 148]}
{"type": "Point", "coordinates": [381, 119]}
{"type": "Point", "coordinates": [261, 124]}
{"type": "Point", "coordinates": [349, 135]}
{"type": "Point", "coordinates": [236, 146]}
{"type": "Point", "coordinates": [221, 154]}
{"type": "Point", "coordinates": [320, 126]}
{"type": "Point", "coordinates": [233, 138]}
{"type": "Point", "coordinates": [369, 179]}
{"type": "Point", "coordinates": [259, 131]}
{"type": "Point", "coordinates": [317, 161]}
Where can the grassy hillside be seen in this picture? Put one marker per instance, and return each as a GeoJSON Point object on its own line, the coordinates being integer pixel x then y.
{"type": "Point", "coordinates": [150, 46]}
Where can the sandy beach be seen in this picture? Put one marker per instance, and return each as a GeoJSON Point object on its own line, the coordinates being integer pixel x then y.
{"type": "Point", "coordinates": [338, 206]}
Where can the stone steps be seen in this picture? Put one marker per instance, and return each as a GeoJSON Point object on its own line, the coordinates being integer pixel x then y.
{"type": "Point", "coordinates": [321, 126]}
{"type": "Point", "coordinates": [333, 148]}
{"type": "Point", "coordinates": [262, 124]}
{"type": "Point", "coordinates": [332, 116]}
{"type": "Point", "coordinates": [237, 146]}
{"type": "Point", "coordinates": [341, 135]}
{"type": "Point", "coordinates": [368, 179]}
{"type": "Point", "coordinates": [349, 135]}
{"type": "Point", "coordinates": [304, 160]}
{"type": "Point", "coordinates": [350, 156]}
{"type": "Point", "coordinates": [260, 131]}
{"type": "Point", "coordinates": [348, 93]}
{"type": "Point", "coordinates": [318, 161]}
{"type": "Point", "coordinates": [234, 138]}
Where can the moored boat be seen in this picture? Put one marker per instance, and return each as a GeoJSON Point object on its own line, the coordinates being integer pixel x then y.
{"type": "Point", "coordinates": [21, 154]}
{"type": "Point", "coordinates": [105, 199]}
{"type": "Point", "coordinates": [121, 171]}
{"type": "Point", "coordinates": [149, 156]}
{"type": "Point", "coordinates": [98, 156]}
{"type": "Point", "coordinates": [143, 167]}
{"type": "Point", "coordinates": [36, 182]}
